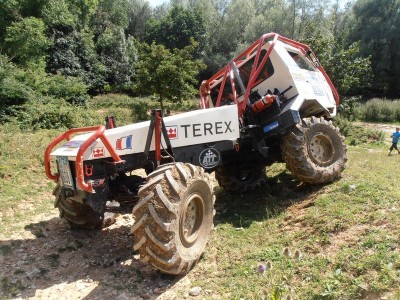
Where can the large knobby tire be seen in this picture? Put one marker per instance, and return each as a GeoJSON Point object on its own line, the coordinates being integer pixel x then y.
{"type": "Point", "coordinates": [243, 178]}
{"type": "Point", "coordinates": [174, 217]}
{"type": "Point", "coordinates": [315, 151]}
{"type": "Point", "coordinates": [78, 215]}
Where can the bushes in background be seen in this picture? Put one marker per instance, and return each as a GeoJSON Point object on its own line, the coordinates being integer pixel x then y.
{"type": "Point", "coordinates": [25, 94]}
{"type": "Point", "coordinates": [378, 110]}
{"type": "Point", "coordinates": [49, 113]}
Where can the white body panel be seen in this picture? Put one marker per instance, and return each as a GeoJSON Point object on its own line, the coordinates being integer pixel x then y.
{"type": "Point", "coordinates": [186, 129]}
{"type": "Point", "coordinates": [307, 85]}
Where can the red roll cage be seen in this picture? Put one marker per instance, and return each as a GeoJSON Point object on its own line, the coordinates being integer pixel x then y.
{"type": "Point", "coordinates": [256, 47]}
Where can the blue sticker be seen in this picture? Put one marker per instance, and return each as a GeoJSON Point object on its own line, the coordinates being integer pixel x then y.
{"type": "Point", "coordinates": [271, 126]}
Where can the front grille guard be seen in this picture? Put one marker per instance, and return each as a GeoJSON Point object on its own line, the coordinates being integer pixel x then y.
{"type": "Point", "coordinates": [98, 133]}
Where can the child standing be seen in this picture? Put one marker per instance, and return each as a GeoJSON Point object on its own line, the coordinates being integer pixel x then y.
{"type": "Point", "coordinates": [395, 139]}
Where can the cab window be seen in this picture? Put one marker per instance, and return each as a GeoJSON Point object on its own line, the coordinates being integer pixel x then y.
{"type": "Point", "coordinates": [301, 62]}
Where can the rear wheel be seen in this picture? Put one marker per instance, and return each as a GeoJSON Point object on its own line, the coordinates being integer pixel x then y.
{"type": "Point", "coordinates": [243, 178]}
{"type": "Point", "coordinates": [78, 215]}
{"type": "Point", "coordinates": [315, 151]}
{"type": "Point", "coordinates": [174, 217]}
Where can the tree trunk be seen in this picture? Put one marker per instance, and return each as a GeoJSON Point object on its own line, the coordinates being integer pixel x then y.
{"type": "Point", "coordinates": [161, 103]}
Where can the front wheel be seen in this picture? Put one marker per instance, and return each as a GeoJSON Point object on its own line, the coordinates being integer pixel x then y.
{"type": "Point", "coordinates": [315, 151]}
{"type": "Point", "coordinates": [78, 215]}
{"type": "Point", "coordinates": [174, 217]}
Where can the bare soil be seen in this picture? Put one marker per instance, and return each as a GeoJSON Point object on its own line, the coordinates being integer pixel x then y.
{"type": "Point", "coordinates": [51, 261]}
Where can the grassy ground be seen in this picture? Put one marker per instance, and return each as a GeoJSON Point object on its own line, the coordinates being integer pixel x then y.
{"type": "Point", "coordinates": [24, 188]}
{"type": "Point", "coordinates": [339, 241]}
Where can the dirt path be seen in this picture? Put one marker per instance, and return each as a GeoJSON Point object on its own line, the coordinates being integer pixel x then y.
{"type": "Point", "coordinates": [387, 128]}
{"type": "Point", "coordinates": [50, 261]}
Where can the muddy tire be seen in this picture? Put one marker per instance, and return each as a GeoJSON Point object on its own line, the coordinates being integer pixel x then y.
{"type": "Point", "coordinates": [174, 217]}
{"type": "Point", "coordinates": [244, 178]}
{"type": "Point", "coordinates": [315, 151]}
{"type": "Point", "coordinates": [78, 215]}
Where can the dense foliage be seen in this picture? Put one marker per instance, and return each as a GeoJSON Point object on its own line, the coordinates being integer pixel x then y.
{"type": "Point", "coordinates": [67, 51]}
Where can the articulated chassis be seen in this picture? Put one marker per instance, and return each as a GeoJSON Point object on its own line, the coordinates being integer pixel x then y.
{"type": "Point", "coordinates": [236, 138]}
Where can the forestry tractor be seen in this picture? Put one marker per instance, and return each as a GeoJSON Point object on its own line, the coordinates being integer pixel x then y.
{"type": "Point", "coordinates": [272, 103]}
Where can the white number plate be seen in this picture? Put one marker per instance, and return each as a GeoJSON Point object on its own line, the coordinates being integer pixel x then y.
{"type": "Point", "coordinates": [65, 171]}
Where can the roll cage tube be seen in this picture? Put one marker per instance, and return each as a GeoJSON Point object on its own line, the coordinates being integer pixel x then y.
{"type": "Point", "coordinates": [222, 74]}
{"type": "Point", "coordinates": [98, 132]}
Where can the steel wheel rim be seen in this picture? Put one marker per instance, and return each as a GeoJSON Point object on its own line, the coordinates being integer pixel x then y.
{"type": "Point", "coordinates": [321, 149]}
{"type": "Point", "coordinates": [191, 220]}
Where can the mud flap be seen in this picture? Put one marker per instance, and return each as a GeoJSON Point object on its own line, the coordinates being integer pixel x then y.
{"type": "Point", "coordinates": [98, 200]}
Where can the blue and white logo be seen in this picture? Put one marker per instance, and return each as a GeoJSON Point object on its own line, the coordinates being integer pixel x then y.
{"type": "Point", "coordinates": [271, 126]}
{"type": "Point", "coordinates": [209, 158]}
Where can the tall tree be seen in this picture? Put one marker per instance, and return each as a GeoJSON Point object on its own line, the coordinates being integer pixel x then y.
{"type": "Point", "coordinates": [177, 28]}
{"type": "Point", "coordinates": [271, 16]}
{"type": "Point", "coordinates": [15, 10]}
{"type": "Point", "coordinates": [139, 13]}
{"type": "Point", "coordinates": [117, 11]}
{"type": "Point", "coordinates": [25, 41]}
{"type": "Point", "coordinates": [377, 25]}
{"type": "Point", "coordinates": [306, 16]}
{"type": "Point", "coordinates": [72, 51]}
{"type": "Point", "coordinates": [9, 12]}
{"type": "Point", "coordinates": [118, 55]}
{"type": "Point", "coordinates": [239, 14]}
{"type": "Point", "coordinates": [83, 9]}
{"type": "Point", "coordinates": [350, 72]}
{"type": "Point", "coordinates": [169, 74]}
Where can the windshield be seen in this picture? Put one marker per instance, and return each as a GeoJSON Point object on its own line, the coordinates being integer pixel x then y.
{"type": "Point", "coordinates": [301, 61]}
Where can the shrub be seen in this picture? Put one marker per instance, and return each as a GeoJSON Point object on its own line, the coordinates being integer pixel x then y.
{"type": "Point", "coordinates": [356, 135]}
{"type": "Point", "coordinates": [25, 93]}
{"type": "Point", "coordinates": [344, 125]}
{"type": "Point", "coordinates": [140, 111]}
{"type": "Point", "coordinates": [378, 110]}
{"type": "Point", "coordinates": [49, 114]}
{"type": "Point", "coordinates": [13, 91]}
{"type": "Point", "coordinates": [71, 89]}
{"type": "Point", "coordinates": [347, 107]}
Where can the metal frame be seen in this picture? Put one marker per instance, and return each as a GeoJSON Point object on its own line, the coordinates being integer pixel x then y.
{"type": "Point", "coordinates": [157, 127]}
{"type": "Point", "coordinates": [98, 132]}
{"type": "Point", "coordinates": [255, 47]}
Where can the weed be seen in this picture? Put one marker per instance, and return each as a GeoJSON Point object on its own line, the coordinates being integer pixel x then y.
{"type": "Point", "coordinates": [67, 248]}
{"type": "Point", "coordinates": [78, 244]}
{"type": "Point", "coordinates": [36, 230]}
{"type": "Point", "coordinates": [139, 276]}
{"type": "Point", "coordinates": [54, 259]}
{"type": "Point", "coordinates": [43, 271]}
{"type": "Point", "coordinates": [19, 271]}
{"type": "Point", "coordinates": [12, 287]}
{"type": "Point", "coordinates": [5, 249]}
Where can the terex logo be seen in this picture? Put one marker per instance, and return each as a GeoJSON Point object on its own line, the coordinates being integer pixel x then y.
{"type": "Point", "coordinates": [204, 129]}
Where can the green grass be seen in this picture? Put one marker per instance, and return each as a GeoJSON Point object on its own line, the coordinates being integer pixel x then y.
{"type": "Point", "coordinates": [347, 232]}
{"type": "Point", "coordinates": [24, 188]}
